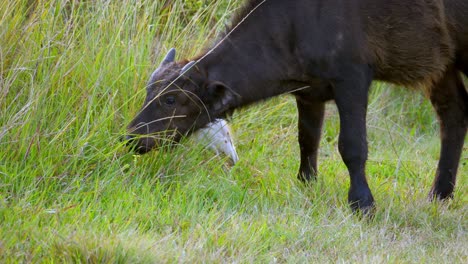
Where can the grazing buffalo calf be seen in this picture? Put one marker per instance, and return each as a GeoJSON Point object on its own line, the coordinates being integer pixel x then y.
{"type": "Point", "coordinates": [318, 51]}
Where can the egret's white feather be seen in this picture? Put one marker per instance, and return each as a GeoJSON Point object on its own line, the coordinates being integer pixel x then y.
{"type": "Point", "coordinates": [217, 136]}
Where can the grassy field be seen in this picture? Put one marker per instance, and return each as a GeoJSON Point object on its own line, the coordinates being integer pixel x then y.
{"type": "Point", "coordinates": [72, 75]}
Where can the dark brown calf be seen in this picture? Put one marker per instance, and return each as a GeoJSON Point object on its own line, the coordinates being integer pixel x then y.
{"type": "Point", "coordinates": [320, 51]}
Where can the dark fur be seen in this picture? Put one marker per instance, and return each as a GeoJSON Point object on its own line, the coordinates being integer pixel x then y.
{"type": "Point", "coordinates": [335, 48]}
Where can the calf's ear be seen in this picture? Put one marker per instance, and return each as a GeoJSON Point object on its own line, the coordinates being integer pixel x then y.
{"type": "Point", "coordinates": [170, 57]}
{"type": "Point", "coordinates": [221, 98]}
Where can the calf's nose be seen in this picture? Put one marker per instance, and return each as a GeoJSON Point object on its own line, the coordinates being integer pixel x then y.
{"type": "Point", "coordinates": [134, 144]}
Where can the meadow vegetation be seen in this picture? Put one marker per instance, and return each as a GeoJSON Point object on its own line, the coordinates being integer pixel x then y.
{"type": "Point", "coordinates": [72, 75]}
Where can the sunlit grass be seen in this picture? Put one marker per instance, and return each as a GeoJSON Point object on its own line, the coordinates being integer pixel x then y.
{"type": "Point", "coordinates": [72, 75]}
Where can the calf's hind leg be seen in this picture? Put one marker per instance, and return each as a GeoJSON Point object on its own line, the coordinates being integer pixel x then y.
{"type": "Point", "coordinates": [450, 100]}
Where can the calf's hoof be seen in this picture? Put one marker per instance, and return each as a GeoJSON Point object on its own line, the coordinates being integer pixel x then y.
{"type": "Point", "coordinates": [362, 203]}
{"type": "Point", "coordinates": [442, 189]}
{"type": "Point", "coordinates": [440, 194]}
{"type": "Point", "coordinates": [306, 177]}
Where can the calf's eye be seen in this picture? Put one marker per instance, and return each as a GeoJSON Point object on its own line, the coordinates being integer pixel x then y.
{"type": "Point", "coordinates": [170, 100]}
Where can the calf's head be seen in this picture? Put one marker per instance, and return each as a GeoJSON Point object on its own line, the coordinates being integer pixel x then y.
{"type": "Point", "coordinates": [179, 100]}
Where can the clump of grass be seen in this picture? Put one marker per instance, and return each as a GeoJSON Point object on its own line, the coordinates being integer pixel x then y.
{"type": "Point", "coordinates": [72, 74]}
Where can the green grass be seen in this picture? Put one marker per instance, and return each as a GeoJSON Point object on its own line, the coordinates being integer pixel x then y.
{"type": "Point", "coordinates": [72, 75]}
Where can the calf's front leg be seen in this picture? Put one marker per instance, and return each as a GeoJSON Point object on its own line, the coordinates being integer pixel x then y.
{"type": "Point", "coordinates": [310, 127]}
{"type": "Point", "coordinates": [351, 96]}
